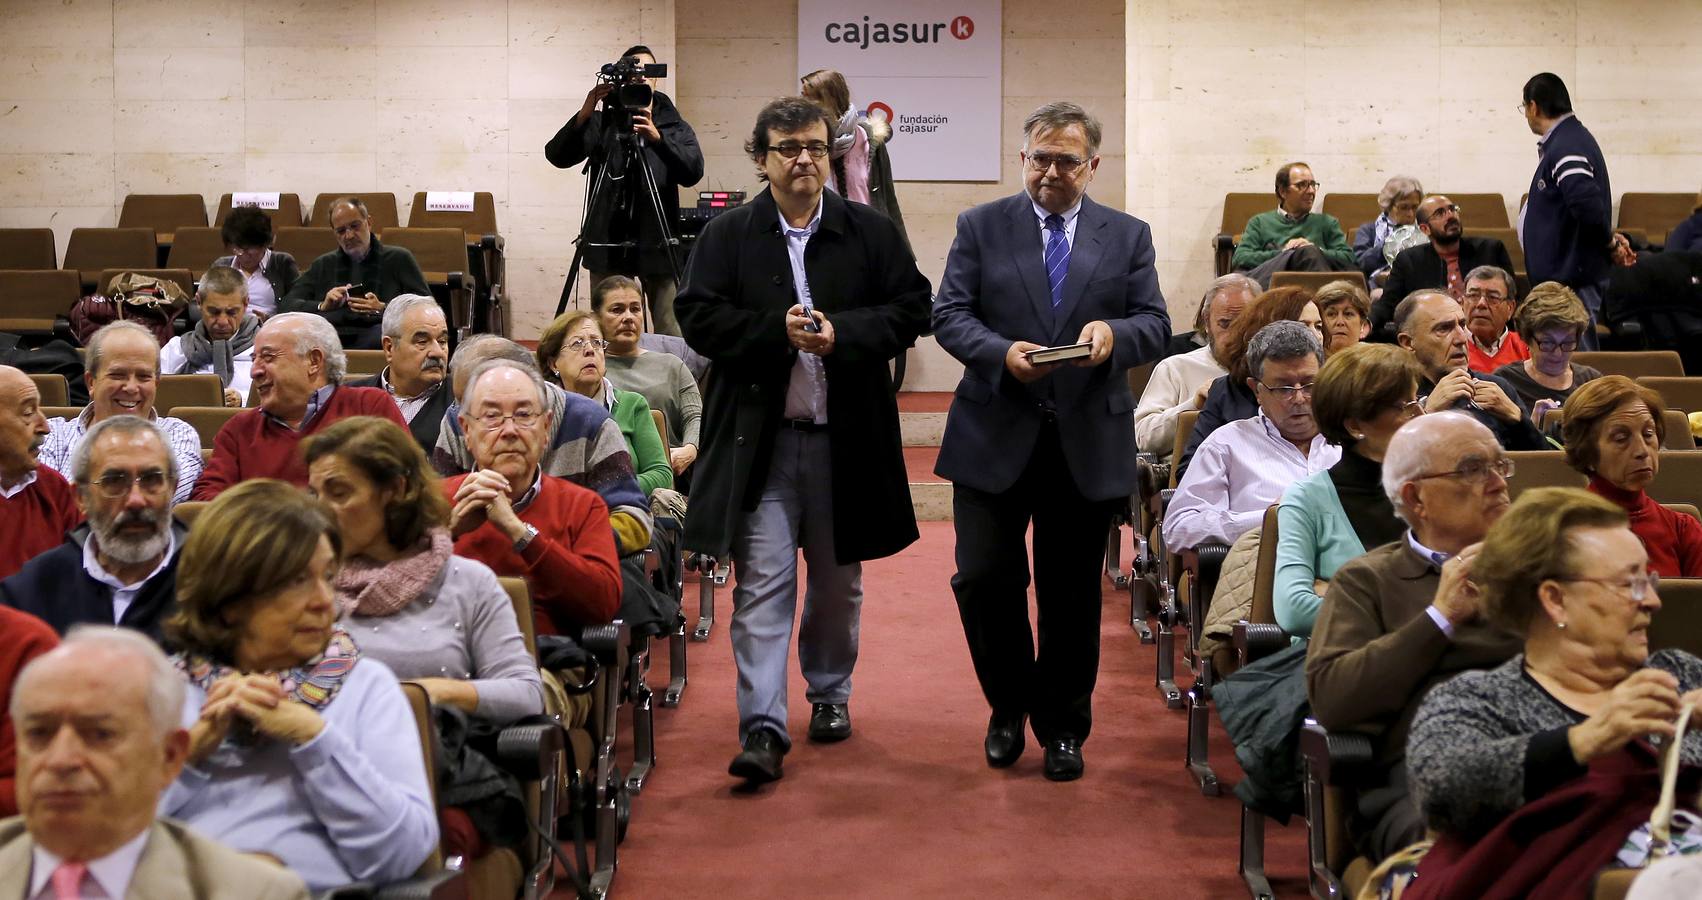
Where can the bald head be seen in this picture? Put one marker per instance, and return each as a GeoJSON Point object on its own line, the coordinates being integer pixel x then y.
{"type": "Point", "coordinates": [22, 425]}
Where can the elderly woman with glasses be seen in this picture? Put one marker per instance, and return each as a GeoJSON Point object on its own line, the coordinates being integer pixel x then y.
{"type": "Point", "coordinates": [1398, 200]}
{"type": "Point", "coordinates": [572, 354]}
{"type": "Point", "coordinates": [1563, 570]}
{"type": "Point", "coordinates": [1551, 321]}
{"type": "Point", "coordinates": [1614, 429]}
{"type": "Point", "coordinates": [1363, 396]}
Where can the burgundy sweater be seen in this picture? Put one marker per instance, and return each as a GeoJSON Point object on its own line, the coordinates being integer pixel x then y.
{"type": "Point", "coordinates": [23, 637]}
{"type": "Point", "coordinates": [36, 518]}
{"type": "Point", "coordinates": [254, 445]}
{"type": "Point", "coordinates": [1673, 540]}
{"type": "Point", "coordinates": [571, 568]}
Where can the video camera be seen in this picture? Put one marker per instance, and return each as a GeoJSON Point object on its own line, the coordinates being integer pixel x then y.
{"type": "Point", "coordinates": [628, 74]}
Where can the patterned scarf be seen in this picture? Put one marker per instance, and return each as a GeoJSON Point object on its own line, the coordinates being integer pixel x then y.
{"type": "Point", "coordinates": [367, 587]}
{"type": "Point", "coordinates": [314, 683]}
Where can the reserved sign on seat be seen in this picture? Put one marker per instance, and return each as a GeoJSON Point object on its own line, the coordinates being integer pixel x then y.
{"type": "Point", "coordinates": [256, 199]}
{"type": "Point", "coordinates": [449, 201]}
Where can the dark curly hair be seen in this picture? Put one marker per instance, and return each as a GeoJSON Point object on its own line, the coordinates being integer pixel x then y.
{"type": "Point", "coordinates": [787, 115]}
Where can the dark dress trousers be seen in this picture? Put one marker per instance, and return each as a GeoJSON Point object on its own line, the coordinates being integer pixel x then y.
{"type": "Point", "coordinates": [428, 422]}
{"type": "Point", "coordinates": [1058, 452]}
{"type": "Point", "coordinates": [1421, 267]}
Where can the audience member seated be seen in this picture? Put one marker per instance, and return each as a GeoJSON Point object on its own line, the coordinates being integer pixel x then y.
{"type": "Point", "coordinates": [664, 380]}
{"type": "Point", "coordinates": [521, 521]}
{"type": "Point", "coordinates": [298, 383]}
{"type": "Point", "coordinates": [1441, 264]}
{"type": "Point", "coordinates": [351, 285]}
{"type": "Point", "coordinates": [23, 637]}
{"type": "Point", "coordinates": [1346, 311]}
{"type": "Point", "coordinates": [123, 362]}
{"type": "Point", "coordinates": [1687, 236]}
{"type": "Point", "coordinates": [571, 354]}
{"type": "Point", "coordinates": [1551, 322]}
{"type": "Point", "coordinates": [1229, 397]}
{"type": "Point", "coordinates": [1243, 467]}
{"type": "Point", "coordinates": [1614, 429]}
{"type": "Point", "coordinates": [222, 342]}
{"type": "Point", "coordinates": [120, 567]}
{"type": "Point", "coordinates": [585, 446]}
{"type": "Point", "coordinates": [1399, 200]}
{"type": "Point", "coordinates": [1293, 238]}
{"type": "Point", "coordinates": [1364, 395]}
{"type": "Point", "coordinates": [1562, 572]}
{"type": "Point", "coordinates": [1180, 383]}
{"type": "Point", "coordinates": [36, 503]}
{"type": "Point", "coordinates": [1404, 616]}
{"type": "Point", "coordinates": [1490, 298]}
{"type": "Point", "coordinates": [1433, 327]}
{"type": "Point", "coordinates": [100, 741]}
{"type": "Point", "coordinates": [269, 274]}
{"type": "Point", "coordinates": [416, 363]}
{"type": "Point", "coordinates": [299, 747]}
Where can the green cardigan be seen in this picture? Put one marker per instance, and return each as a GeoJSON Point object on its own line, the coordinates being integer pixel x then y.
{"type": "Point", "coordinates": [1314, 539]}
{"type": "Point", "coordinates": [1268, 231]}
{"type": "Point", "coordinates": [649, 460]}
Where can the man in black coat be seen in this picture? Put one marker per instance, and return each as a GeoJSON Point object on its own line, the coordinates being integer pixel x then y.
{"type": "Point", "coordinates": [1441, 264]}
{"type": "Point", "coordinates": [416, 356]}
{"type": "Point", "coordinates": [799, 299]}
{"type": "Point", "coordinates": [351, 285]}
{"type": "Point", "coordinates": [621, 210]}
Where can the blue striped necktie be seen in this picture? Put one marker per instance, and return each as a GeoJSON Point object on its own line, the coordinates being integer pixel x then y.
{"type": "Point", "coordinates": [1057, 257]}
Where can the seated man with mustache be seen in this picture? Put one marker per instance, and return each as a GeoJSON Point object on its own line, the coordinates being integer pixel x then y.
{"type": "Point", "coordinates": [119, 567]}
{"type": "Point", "coordinates": [416, 357]}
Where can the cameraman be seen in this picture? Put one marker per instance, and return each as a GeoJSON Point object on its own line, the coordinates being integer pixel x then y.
{"type": "Point", "coordinates": [671, 152]}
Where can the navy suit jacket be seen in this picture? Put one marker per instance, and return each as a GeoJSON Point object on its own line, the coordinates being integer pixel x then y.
{"type": "Point", "coordinates": [994, 293]}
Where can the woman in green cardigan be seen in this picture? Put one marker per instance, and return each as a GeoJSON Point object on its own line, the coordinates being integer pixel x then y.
{"type": "Point", "coordinates": [571, 353]}
{"type": "Point", "coordinates": [1363, 394]}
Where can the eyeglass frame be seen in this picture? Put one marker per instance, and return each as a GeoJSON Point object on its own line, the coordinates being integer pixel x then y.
{"type": "Point", "coordinates": [1551, 346]}
{"type": "Point", "coordinates": [117, 485]}
{"type": "Point", "coordinates": [1471, 294]}
{"type": "Point", "coordinates": [491, 420]}
{"type": "Point", "coordinates": [1636, 588]}
{"type": "Point", "coordinates": [1075, 163]}
{"type": "Point", "coordinates": [1502, 466]}
{"type": "Point", "coordinates": [1455, 208]}
{"type": "Point", "coordinates": [1288, 393]}
{"type": "Point", "coordinates": [816, 149]}
{"type": "Point", "coordinates": [578, 345]}
{"type": "Point", "coordinates": [1304, 186]}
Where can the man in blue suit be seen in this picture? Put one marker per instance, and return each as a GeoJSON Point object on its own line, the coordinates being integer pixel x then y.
{"type": "Point", "coordinates": [1053, 443]}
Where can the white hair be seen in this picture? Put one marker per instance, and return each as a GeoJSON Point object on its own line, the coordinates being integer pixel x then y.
{"type": "Point", "coordinates": [317, 333]}
{"type": "Point", "coordinates": [492, 365]}
{"type": "Point", "coordinates": [165, 689]}
{"type": "Point", "coordinates": [398, 308]}
{"type": "Point", "coordinates": [1416, 445]}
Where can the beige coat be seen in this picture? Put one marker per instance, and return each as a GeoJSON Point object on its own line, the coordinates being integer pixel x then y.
{"type": "Point", "coordinates": [176, 864]}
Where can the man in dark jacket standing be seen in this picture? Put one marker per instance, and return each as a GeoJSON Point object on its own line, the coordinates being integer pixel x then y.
{"type": "Point", "coordinates": [1567, 224]}
{"type": "Point", "coordinates": [621, 209]}
{"type": "Point", "coordinates": [799, 298]}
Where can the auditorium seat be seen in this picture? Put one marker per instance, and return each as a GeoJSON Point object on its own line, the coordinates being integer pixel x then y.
{"type": "Point", "coordinates": [485, 255]}
{"type": "Point", "coordinates": [288, 213]}
{"type": "Point", "coordinates": [189, 510]}
{"type": "Point", "coordinates": [61, 412]}
{"type": "Point", "coordinates": [164, 213]}
{"type": "Point", "coordinates": [1172, 601]}
{"type": "Point", "coordinates": [92, 249]}
{"type": "Point", "coordinates": [206, 420]}
{"type": "Point", "coordinates": [380, 207]}
{"type": "Point", "coordinates": [1237, 209]}
{"type": "Point", "coordinates": [1680, 478]}
{"type": "Point", "coordinates": [1254, 638]}
{"type": "Point", "coordinates": [1482, 210]}
{"type": "Point", "coordinates": [1352, 210]}
{"type": "Point", "coordinates": [305, 244]}
{"type": "Point", "coordinates": [442, 255]}
{"type": "Point", "coordinates": [1509, 238]}
{"type": "Point", "coordinates": [31, 301]}
{"type": "Point", "coordinates": [1312, 281]}
{"type": "Point", "coordinates": [195, 248]}
{"type": "Point", "coordinates": [1656, 214]}
{"type": "Point", "coordinates": [27, 248]}
{"type": "Point", "coordinates": [1678, 623]}
{"type": "Point", "coordinates": [365, 362]}
{"type": "Point", "coordinates": [1632, 363]}
{"type": "Point", "coordinates": [52, 387]}
{"type": "Point", "coordinates": [1334, 765]}
{"type": "Point", "coordinates": [1541, 468]}
{"type": "Point", "coordinates": [173, 391]}
{"type": "Point", "coordinates": [1679, 393]}
{"type": "Point", "coordinates": [1678, 431]}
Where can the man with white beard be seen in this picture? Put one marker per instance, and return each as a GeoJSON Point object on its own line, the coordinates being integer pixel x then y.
{"type": "Point", "coordinates": [120, 567]}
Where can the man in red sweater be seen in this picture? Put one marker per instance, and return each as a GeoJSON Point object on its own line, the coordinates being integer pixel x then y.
{"type": "Point", "coordinates": [37, 505]}
{"type": "Point", "coordinates": [510, 516]}
{"type": "Point", "coordinates": [298, 372]}
{"type": "Point", "coordinates": [23, 637]}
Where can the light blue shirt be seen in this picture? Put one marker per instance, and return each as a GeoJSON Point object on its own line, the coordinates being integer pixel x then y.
{"type": "Point", "coordinates": [806, 391]}
{"type": "Point", "coordinates": [1435, 558]}
{"type": "Point", "coordinates": [1069, 225]}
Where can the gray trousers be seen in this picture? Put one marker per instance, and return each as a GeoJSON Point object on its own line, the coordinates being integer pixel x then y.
{"type": "Point", "coordinates": [795, 512]}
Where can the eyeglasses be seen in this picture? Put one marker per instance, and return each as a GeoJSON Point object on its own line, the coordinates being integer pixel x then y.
{"type": "Point", "coordinates": [114, 485]}
{"type": "Point", "coordinates": [578, 345]}
{"type": "Point", "coordinates": [1638, 587]}
{"type": "Point", "coordinates": [524, 419]}
{"type": "Point", "coordinates": [1485, 296]}
{"type": "Point", "coordinates": [1476, 471]}
{"type": "Point", "coordinates": [1306, 185]}
{"type": "Point", "coordinates": [1452, 207]}
{"type": "Point", "coordinates": [791, 149]}
{"type": "Point", "coordinates": [1290, 393]}
{"type": "Point", "coordinates": [1551, 346]}
{"type": "Point", "coordinates": [1411, 409]}
{"type": "Point", "coordinates": [1068, 164]}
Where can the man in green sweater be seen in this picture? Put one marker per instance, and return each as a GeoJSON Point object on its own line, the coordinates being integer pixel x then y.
{"type": "Point", "coordinates": [1293, 238]}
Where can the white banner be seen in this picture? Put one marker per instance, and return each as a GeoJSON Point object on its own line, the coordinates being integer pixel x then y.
{"type": "Point", "coordinates": [449, 201]}
{"type": "Point", "coordinates": [930, 66]}
{"type": "Point", "coordinates": [257, 199]}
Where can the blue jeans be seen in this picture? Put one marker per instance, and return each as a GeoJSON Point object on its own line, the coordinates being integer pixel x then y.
{"type": "Point", "coordinates": [795, 512]}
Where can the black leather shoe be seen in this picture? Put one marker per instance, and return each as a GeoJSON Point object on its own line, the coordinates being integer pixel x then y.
{"type": "Point", "coordinates": [830, 722]}
{"type": "Point", "coordinates": [1004, 739]}
{"type": "Point", "coordinates": [1063, 759]}
{"type": "Point", "coordinates": [759, 762]}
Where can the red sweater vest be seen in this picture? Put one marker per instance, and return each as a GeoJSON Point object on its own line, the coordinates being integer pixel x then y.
{"type": "Point", "coordinates": [1673, 540]}
{"type": "Point", "coordinates": [36, 519]}
{"type": "Point", "coordinates": [254, 445]}
{"type": "Point", "coordinates": [23, 637]}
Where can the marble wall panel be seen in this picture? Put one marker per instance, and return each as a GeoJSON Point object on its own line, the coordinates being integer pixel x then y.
{"type": "Point", "coordinates": [44, 179]}
{"type": "Point", "coordinates": [178, 126]}
{"type": "Point", "coordinates": [174, 23]}
{"type": "Point", "coordinates": [64, 23]}
{"type": "Point", "coordinates": [56, 73]}
{"type": "Point", "coordinates": [179, 73]}
{"type": "Point", "coordinates": [310, 23]}
{"type": "Point", "coordinates": [207, 174]}
{"type": "Point", "coordinates": [56, 126]}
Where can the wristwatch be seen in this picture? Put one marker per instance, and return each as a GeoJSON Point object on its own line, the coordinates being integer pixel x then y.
{"type": "Point", "coordinates": [525, 539]}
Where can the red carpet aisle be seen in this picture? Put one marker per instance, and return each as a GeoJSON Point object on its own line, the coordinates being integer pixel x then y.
{"type": "Point", "coordinates": [907, 807]}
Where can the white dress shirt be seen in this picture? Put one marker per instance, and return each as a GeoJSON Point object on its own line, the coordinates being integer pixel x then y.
{"type": "Point", "coordinates": [16, 489]}
{"type": "Point", "coordinates": [108, 877]}
{"type": "Point", "coordinates": [261, 298]}
{"type": "Point", "coordinates": [409, 406]}
{"type": "Point", "coordinates": [123, 594]}
{"type": "Point", "coordinates": [806, 391]}
{"type": "Point", "coordinates": [1239, 471]}
{"type": "Point", "coordinates": [1175, 381]}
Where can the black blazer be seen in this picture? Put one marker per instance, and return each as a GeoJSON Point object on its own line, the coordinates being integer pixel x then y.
{"type": "Point", "coordinates": [428, 421]}
{"type": "Point", "coordinates": [1422, 267]}
{"type": "Point", "coordinates": [54, 587]}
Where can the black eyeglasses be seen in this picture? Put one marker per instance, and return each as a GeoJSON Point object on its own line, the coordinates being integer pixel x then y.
{"type": "Point", "coordinates": [1306, 185]}
{"type": "Point", "coordinates": [114, 485]}
{"type": "Point", "coordinates": [1452, 207]}
{"type": "Point", "coordinates": [791, 149]}
{"type": "Point", "coordinates": [1548, 346]}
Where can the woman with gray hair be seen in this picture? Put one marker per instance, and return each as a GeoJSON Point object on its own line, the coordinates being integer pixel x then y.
{"type": "Point", "coordinates": [1398, 200]}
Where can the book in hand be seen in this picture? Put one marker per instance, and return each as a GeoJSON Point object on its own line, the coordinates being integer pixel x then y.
{"type": "Point", "coordinates": [1063, 353]}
